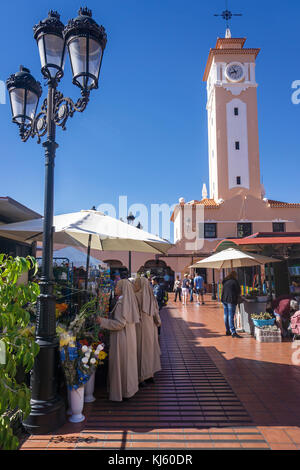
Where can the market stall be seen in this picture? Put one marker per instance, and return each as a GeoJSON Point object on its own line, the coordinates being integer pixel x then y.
{"type": "Point", "coordinates": [70, 278]}
{"type": "Point", "coordinates": [280, 278]}
{"type": "Point", "coordinates": [254, 303]}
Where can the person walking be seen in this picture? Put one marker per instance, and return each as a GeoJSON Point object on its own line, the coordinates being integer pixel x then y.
{"type": "Point", "coordinates": [185, 289]}
{"type": "Point", "coordinates": [177, 289]}
{"type": "Point", "coordinates": [230, 295]}
{"type": "Point", "coordinates": [191, 287]}
{"type": "Point", "coordinates": [199, 288]}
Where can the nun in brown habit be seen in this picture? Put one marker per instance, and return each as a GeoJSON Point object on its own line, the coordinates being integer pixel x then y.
{"type": "Point", "coordinates": [148, 349]}
{"type": "Point", "coordinates": [122, 366]}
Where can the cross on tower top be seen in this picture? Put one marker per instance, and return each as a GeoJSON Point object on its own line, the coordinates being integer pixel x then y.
{"type": "Point", "coordinates": [227, 15]}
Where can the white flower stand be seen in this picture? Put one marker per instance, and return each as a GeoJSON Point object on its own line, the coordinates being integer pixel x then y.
{"type": "Point", "coordinates": [76, 405]}
{"type": "Point", "coordinates": [69, 410]}
{"type": "Point", "coordinates": [89, 389]}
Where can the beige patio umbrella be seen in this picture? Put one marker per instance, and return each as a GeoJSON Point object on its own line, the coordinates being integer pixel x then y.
{"type": "Point", "coordinates": [89, 228]}
{"type": "Point", "coordinates": [233, 258]}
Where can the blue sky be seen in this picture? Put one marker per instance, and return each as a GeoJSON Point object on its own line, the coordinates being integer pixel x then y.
{"type": "Point", "coordinates": [144, 132]}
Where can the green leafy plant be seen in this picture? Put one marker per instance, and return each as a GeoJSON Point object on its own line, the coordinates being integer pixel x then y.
{"type": "Point", "coordinates": [84, 325]}
{"type": "Point", "coordinates": [18, 350]}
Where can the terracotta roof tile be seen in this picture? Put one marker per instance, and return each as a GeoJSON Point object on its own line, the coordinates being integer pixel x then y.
{"type": "Point", "coordinates": [292, 205]}
{"type": "Point", "coordinates": [211, 203]}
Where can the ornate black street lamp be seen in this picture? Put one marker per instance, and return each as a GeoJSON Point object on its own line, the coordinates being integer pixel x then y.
{"type": "Point", "coordinates": [85, 41]}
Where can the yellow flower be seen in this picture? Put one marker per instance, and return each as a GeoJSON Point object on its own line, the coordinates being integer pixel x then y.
{"type": "Point", "coordinates": [60, 330]}
{"type": "Point", "coordinates": [102, 355]}
{"type": "Point", "coordinates": [66, 339]}
{"type": "Point", "coordinates": [63, 342]}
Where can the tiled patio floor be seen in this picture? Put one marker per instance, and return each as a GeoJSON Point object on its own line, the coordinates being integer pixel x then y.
{"type": "Point", "coordinates": [214, 392]}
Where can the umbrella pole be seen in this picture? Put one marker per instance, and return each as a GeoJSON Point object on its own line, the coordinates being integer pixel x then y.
{"type": "Point", "coordinates": [213, 297]}
{"type": "Point", "coordinates": [87, 266]}
{"type": "Point", "coordinates": [245, 281]}
{"type": "Point", "coordinates": [129, 264]}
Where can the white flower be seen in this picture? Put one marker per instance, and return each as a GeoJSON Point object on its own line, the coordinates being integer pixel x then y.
{"type": "Point", "coordinates": [86, 366]}
{"type": "Point", "coordinates": [85, 360]}
{"type": "Point", "coordinates": [87, 354]}
{"type": "Point", "coordinates": [84, 349]}
{"type": "Point", "coordinates": [93, 360]}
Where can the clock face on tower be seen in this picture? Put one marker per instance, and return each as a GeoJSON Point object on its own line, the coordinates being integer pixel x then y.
{"type": "Point", "coordinates": [234, 72]}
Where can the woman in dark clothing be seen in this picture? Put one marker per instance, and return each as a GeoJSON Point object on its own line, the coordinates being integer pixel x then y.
{"type": "Point", "coordinates": [230, 294]}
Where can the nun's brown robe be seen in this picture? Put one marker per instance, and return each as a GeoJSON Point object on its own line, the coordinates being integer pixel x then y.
{"type": "Point", "coordinates": [122, 366]}
{"type": "Point", "coordinates": [148, 349]}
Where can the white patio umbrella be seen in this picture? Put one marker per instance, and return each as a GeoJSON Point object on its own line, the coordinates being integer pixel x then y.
{"type": "Point", "coordinates": [233, 258]}
{"type": "Point", "coordinates": [86, 227]}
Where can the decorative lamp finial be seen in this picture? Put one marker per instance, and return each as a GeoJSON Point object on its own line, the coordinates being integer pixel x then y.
{"type": "Point", "coordinates": [85, 11]}
{"type": "Point", "coordinates": [53, 14]}
{"type": "Point", "coordinates": [24, 69]}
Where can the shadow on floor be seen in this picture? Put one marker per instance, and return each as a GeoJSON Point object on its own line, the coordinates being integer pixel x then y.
{"type": "Point", "coordinates": [197, 388]}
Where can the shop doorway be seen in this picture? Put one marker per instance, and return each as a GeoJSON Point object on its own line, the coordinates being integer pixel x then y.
{"type": "Point", "coordinates": [117, 269]}
{"type": "Point", "coordinates": [160, 269]}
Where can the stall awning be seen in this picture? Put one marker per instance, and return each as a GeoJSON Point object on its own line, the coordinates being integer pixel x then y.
{"type": "Point", "coordinates": [260, 239]}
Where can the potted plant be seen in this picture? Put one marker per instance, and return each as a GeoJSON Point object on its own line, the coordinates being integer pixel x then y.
{"type": "Point", "coordinates": [263, 319]}
{"type": "Point", "coordinates": [18, 348]}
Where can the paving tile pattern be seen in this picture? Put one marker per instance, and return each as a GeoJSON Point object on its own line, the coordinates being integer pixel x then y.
{"type": "Point", "coordinates": [200, 399]}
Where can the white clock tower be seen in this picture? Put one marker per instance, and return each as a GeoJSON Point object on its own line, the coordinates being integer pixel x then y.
{"type": "Point", "coordinates": [232, 119]}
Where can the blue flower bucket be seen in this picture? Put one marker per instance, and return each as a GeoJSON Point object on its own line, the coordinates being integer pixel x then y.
{"type": "Point", "coordinates": [260, 323]}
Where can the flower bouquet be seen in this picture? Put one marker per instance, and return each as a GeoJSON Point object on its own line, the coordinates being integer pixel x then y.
{"type": "Point", "coordinates": [75, 376]}
{"type": "Point", "coordinates": [91, 356]}
{"type": "Point", "coordinates": [70, 361]}
{"type": "Point", "coordinates": [79, 360]}
{"type": "Point", "coordinates": [60, 309]}
{"type": "Point", "coordinates": [81, 352]}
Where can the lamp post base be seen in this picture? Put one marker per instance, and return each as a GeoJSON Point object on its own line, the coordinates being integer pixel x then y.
{"type": "Point", "coordinates": [45, 416]}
